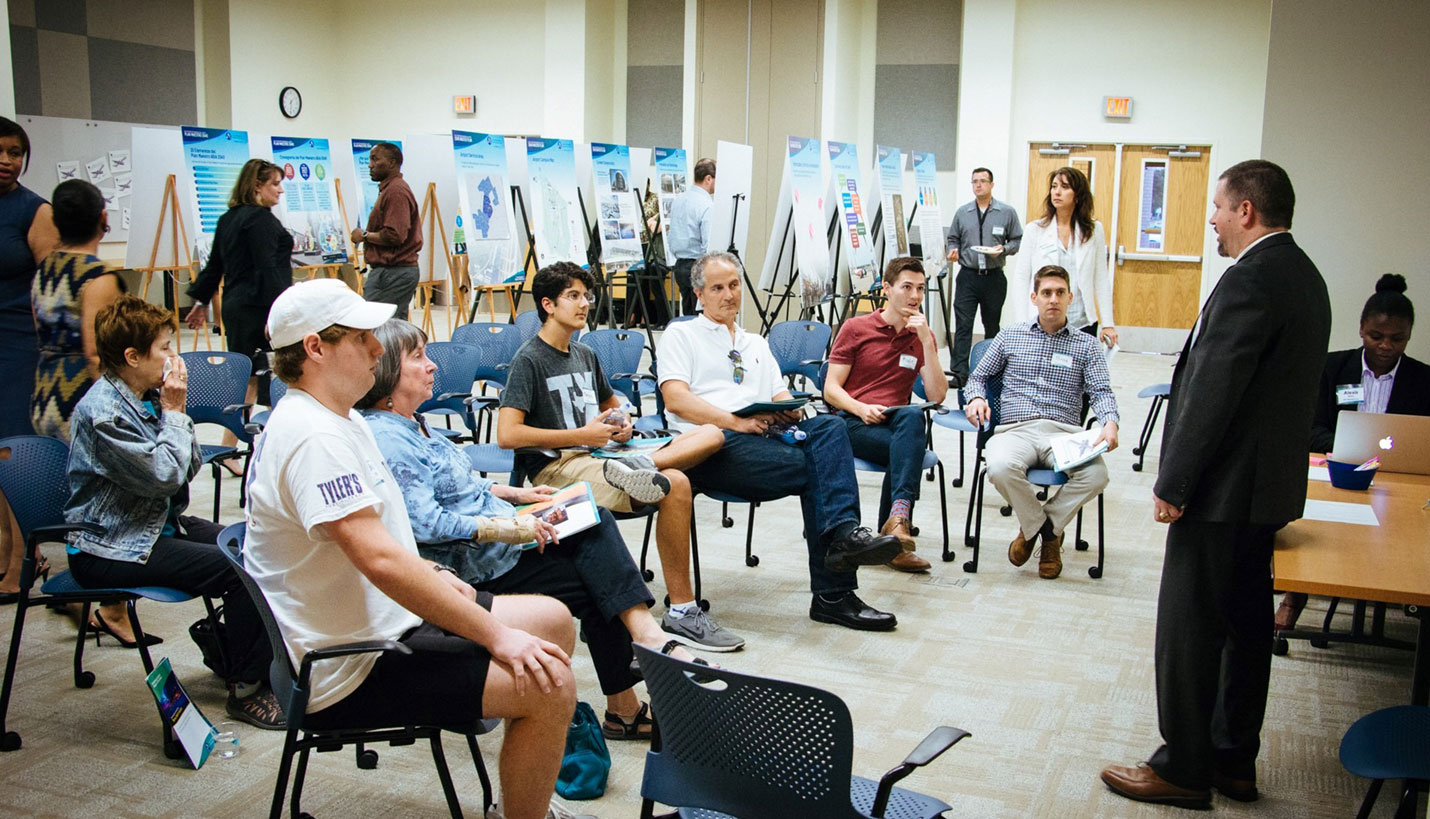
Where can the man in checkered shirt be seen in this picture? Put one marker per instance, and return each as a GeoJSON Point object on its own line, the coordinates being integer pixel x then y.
{"type": "Point", "coordinates": [1045, 370]}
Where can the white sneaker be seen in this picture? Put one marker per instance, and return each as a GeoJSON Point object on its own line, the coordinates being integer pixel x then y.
{"type": "Point", "coordinates": [646, 486]}
{"type": "Point", "coordinates": [555, 810]}
{"type": "Point", "coordinates": [699, 630]}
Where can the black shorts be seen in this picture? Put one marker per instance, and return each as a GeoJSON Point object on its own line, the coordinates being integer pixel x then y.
{"type": "Point", "coordinates": [439, 683]}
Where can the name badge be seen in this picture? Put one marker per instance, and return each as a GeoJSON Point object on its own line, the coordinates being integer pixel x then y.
{"type": "Point", "coordinates": [1350, 394]}
{"type": "Point", "coordinates": [1062, 360]}
{"type": "Point", "coordinates": [997, 230]}
{"type": "Point", "coordinates": [908, 362]}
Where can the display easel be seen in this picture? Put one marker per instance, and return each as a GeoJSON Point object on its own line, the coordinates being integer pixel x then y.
{"type": "Point", "coordinates": [769, 314]}
{"type": "Point", "coordinates": [875, 297]}
{"type": "Point", "coordinates": [431, 218]}
{"type": "Point", "coordinates": [334, 270]}
{"type": "Point", "coordinates": [178, 242]}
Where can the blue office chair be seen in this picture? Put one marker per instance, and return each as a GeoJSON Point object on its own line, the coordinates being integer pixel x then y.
{"type": "Point", "coordinates": [487, 458]}
{"type": "Point", "coordinates": [292, 689]}
{"type": "Point", "coordinates": [277, 388]}
{"type": "Point", "coordinates": [34, 477]}
{"type": "Point", "coordinates": [731, 744]}
{"type": "Point", "coordinates": [619, 353]}
{"type": "Point", "coordinates": [529, 323]}
{"type": "Point", "coordinates": [457, 365]}
{"type": "Point", "coordinates": [1158, 393]}
{"type": "Point", "coordinates": [799, 347]}
{"type": "Point", "coordinates": [218, 387]}
{"type": "Point", "coordinates": [1392, 743]}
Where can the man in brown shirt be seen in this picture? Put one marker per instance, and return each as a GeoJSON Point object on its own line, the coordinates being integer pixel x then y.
{"type": "Point", "coordinates": [394, 232]}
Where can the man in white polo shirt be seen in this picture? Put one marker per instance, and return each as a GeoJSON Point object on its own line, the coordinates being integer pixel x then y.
{"type": "Point", "coordinates": [330, 544]}
{"type": "Point", "coordinates": [709, 367]}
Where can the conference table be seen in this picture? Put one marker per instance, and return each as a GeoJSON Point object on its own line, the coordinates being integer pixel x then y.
{"type": "Point", "coordinates": [1388, 563]}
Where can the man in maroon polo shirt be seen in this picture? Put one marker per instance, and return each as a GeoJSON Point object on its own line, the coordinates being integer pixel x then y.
{"type": "Point", "coordinates": [393, 235]}
{"type": "Point", "coordinates": [871, 376]}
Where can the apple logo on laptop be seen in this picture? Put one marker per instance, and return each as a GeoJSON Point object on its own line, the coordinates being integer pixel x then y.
{"type": "Point", "coordinates": [1387, 443]}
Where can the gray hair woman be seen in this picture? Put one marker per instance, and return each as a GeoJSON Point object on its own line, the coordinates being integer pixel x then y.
{"type": "Point", "coordinates": [469, 523]}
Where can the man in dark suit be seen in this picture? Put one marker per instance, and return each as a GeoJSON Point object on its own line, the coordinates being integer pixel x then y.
{"type": "Point", "coordinates": [1233, 472]}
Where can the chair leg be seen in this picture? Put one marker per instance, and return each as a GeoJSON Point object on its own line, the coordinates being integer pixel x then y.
{"type": "Point", "coordinates": [943, 511]}
{"type": "Point", "coordinates": [9, 740]}
{"type": "Point", "coordinates": [647, 574]}
{"type": "Point", "coordinates": [481, 767]}
{"type": "Point", "coordinates": [294, 804]}
{"type": "Point", "coordinates": [285, 765]}
{"type": "Point", "coordinates": [172, 748]}
{"type": "Point", "coordinates": [695, 560]}
{"type": "Point", "coordinates": [218, 483]}
{"type": "Point", "coordinates": [1370, 797]}
{"type": "Point", "coordinates": [439, 759]}
{"type": "Point", "coordinates": [82, 678]}
{"type": "Point", "coordinates": [1409, 798]}
{"type": "Point", "coordinates": [751, 559]}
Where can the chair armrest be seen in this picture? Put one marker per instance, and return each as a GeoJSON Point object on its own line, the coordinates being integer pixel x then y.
{"type": "Point", "coordinates": [938, 741]}
{"type": "Point", "coordinates": [449, 395]}
{"type": "Point", "coordinates": [656, 433]}
{"type": "Point", "coordinates": [252, 429]}
{"type": "Point", "coordinates": [537, 450]}
{"type": "Point", "coordinates": [486, 401]}
{"type": "Point", "coordinates": [806, 362]}
{"type": "Point", "coordinates": [57, 532]}
{"type": "Point", "coordinates": [363, 647]}
{"type": "Point", "coordinates": [636, 377]}
{"type": "Point", "coordinates": [232, 408]}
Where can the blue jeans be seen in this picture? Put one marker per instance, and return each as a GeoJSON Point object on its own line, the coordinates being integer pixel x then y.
{"type": "Point", "coordinates": [898, 445]}
{"type": "Point", "coordinates": [820, 471]}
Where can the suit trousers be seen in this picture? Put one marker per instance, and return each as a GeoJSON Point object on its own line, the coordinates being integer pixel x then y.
{"type": "Point", "coordinates": [980, 291]}
{"type": "Point", "coordinates": [1213, 650]}
{"type": "Point", "coordinates": [1016, 448]}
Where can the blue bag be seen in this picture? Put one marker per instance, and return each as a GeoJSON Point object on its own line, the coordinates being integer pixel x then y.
{"type": "Point", "coordinates": [587, 761]}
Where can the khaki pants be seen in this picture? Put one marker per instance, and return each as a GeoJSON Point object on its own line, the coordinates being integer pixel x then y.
{"type": "Point", "coordinates": [572, 467]}
{"type": "Point", "coordinates": [1016, 448]}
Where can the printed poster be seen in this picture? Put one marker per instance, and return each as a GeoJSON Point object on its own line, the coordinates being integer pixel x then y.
{"type": "Point", "coordinates": [309, 207]}
{"type": "Point", "coordinates": [555, 210]}
{"type": "Point", "coordinates": [367, 189]}
{"type": "Point", "coordinates": [618, 211]}
{"type": "Point", "coordinates": [891, 199]}
{"type": "Point", "coordinates": [807, 187]}
{"type": "Point", "coordinates": [214, 157]}
{"type": "Point", "coordinates": [672, 170]}
{"type": "Point", "coordinates": [484, 226]}
{"type": "Point", "coordinates": [844, 169]}
{"type": "Point", "coordinates": [930, 217]}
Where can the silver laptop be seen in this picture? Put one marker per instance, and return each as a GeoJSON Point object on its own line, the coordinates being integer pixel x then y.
{"type": "Point", "coordinates": [1401, 441]}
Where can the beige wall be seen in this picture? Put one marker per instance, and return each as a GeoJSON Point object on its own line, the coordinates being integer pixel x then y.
{"type": "Point", "coordinates": [1348, 117]}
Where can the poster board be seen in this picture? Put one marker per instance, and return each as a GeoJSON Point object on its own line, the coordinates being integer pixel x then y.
{"type": "Point", "coordinates": [554, 210]}
{"type": "Point", "coordinates": [157, 151]}
{"type": "Point", "coordinates": [427, 158]}
{"type": "Point", "coordinates": [672, 177]}
{"type": "Point", "coordinates": [808, 185]}
{"type": "Point", "coordinates": [640, 170]}
{"type": "Point", "coordinates": [931, 238]}
{"type": "Point", "coordinates": [309, 207]}
{"type": "Point", "coordinates": [93, 150]}
{"type": "Point", "coordinates": [213, 158]}
{"type": "Point", "coordinates": [486, 227]}
{"type": "Point", "coordinates": [618, 213]}
{"type": "Point", "coordinates": [846, 183]}
{"type": "Point", "coordinates": [891, 201]}
{"type": "Point", "coordinates": [734, 175]}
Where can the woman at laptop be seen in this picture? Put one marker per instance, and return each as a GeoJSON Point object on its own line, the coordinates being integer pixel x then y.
{"type": "Point", "coordinates": [1375, 377]}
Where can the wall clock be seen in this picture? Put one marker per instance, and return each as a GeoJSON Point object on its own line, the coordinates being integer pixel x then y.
{"type": "Point", "coordinates": [290, 102]}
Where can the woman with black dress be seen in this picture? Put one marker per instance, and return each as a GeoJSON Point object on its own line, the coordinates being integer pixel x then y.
{"type": "Point", "coordinates": [252, 258]}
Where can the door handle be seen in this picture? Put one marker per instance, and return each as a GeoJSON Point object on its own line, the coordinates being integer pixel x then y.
{"type": "Point", "coordinates": [1123, 256]}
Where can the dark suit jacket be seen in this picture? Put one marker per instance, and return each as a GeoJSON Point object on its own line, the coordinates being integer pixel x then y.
{"type": "Point", "coordinates": [1409, 396]}
{"type": "Point", "coordinates": [1243, 392]}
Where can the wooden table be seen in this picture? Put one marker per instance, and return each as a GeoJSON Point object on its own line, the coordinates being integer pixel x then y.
{"type": "Point", "coordinates": [1389, 563]}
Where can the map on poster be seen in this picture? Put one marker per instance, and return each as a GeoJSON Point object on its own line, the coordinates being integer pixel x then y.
{"type": "Point", "coordinates": [214, 157]}
{"type": "Point", "coordinates": [844, 170]}
{"type": "Point", "coordinates": [811, 247]}
{"type": "Point", "coordinates": [891, 199]}
{"type": "Point", "coordinates": [309, 207]}
{"type": "Point", "coordinates": [618, 211]}
{"type": "Point", "coordinates": [555, 211]}
{"type": "Point", "coordinates": [486, 218]}
{"type": "Point", "coordinates": [930, 217]}
{"type": "Point", "coordinates": [672, 172]}
{"type": "Point", "coordinates": [367, 189]}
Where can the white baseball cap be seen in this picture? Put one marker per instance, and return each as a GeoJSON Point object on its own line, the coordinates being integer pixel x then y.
{"type": "Point", "coordinates": [315, 305]}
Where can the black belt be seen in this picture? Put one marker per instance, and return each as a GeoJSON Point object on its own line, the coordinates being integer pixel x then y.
{"type": "Point", "coordinates": [975, 271]}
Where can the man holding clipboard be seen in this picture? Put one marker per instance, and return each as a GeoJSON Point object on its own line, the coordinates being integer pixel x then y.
{"type": "Point", "coordinates": [712, 371]}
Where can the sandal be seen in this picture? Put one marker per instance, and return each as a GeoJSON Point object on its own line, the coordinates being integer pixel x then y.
{"type": "Point", "coordinates": [639, 726]}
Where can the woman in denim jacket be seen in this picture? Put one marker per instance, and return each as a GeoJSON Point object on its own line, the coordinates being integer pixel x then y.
{"type": "Point", "coordinates": [132, 454]}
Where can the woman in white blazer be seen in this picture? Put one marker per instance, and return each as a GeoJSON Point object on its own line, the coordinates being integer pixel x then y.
{"type": "Point", "coordinates": [1061, 237]}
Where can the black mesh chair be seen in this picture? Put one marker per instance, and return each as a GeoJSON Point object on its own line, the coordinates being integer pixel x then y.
{"type": "Point", "coordinates": [731, 744]}
{"type": "Point", "coordinates": [291, 688]}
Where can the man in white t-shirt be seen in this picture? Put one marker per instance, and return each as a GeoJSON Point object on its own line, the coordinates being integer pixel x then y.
{"type": "Point", "coordinates": [330, 544]}
{"type": "Point", "coordinates": [709, 368]}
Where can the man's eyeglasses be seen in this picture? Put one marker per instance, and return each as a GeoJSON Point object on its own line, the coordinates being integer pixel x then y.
{"type": "Point", "coordinates": [739, 372]}
{"type": "Point", "coordinates": [577, 296]}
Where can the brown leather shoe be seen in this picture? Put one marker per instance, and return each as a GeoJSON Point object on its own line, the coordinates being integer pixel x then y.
{"type": "Point", "coordinates": [1242, 790]}
{"type": "Point", "coordinates": [1144, 785]}
{"type": "Point", "coordinates": [908, 562]}
{"type": "Point", "coordinates": [1050, 558]}
{"type": "Point", "coordinates": [1020, 549]}
{"type": "Point", "coordinates": [899, 527]}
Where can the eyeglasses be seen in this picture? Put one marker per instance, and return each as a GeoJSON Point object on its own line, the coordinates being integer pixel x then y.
{"type": "Point", "coordinates": [739, 366]}
{"type": "Point", "coordinates": [576, 296]}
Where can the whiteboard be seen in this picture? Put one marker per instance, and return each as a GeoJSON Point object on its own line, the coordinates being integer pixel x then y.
{"type": "Point", "coordinates": [84, 143]}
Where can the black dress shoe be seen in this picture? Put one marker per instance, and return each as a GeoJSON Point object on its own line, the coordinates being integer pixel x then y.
{"type": "Point", "coordinates": [851, 612]}
{"type": "Point", "coordinates": [1232, 787]}
{"type": "Point", "coordinates": [861, 547]}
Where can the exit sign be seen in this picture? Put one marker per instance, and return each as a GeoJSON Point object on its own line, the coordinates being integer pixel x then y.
{"type": "Point", "coordinates": [1117, 107]}
{"type": "Point", "coordinates": [464, 104]}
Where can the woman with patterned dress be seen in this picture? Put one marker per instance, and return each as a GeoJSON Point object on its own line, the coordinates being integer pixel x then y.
{"type": "Point", "coordinates": [26, 236]}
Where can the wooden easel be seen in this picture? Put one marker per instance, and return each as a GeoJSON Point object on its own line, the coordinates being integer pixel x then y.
{"type": "Point", "coordinates": [431, 218]}
{"type": "Point", "coordinates": [178, 241]}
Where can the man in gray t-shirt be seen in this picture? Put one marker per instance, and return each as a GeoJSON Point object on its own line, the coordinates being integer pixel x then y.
{"type": "Point", "coordinates": [556, 389]}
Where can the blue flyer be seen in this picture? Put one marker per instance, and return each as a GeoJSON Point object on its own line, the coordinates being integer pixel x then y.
{"type": "Point", "coordinates": [309, 206]}
{"type": "Point", "coordinates": [214, 158]}
{"type": "Point", "coordinates": [486, 219]}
